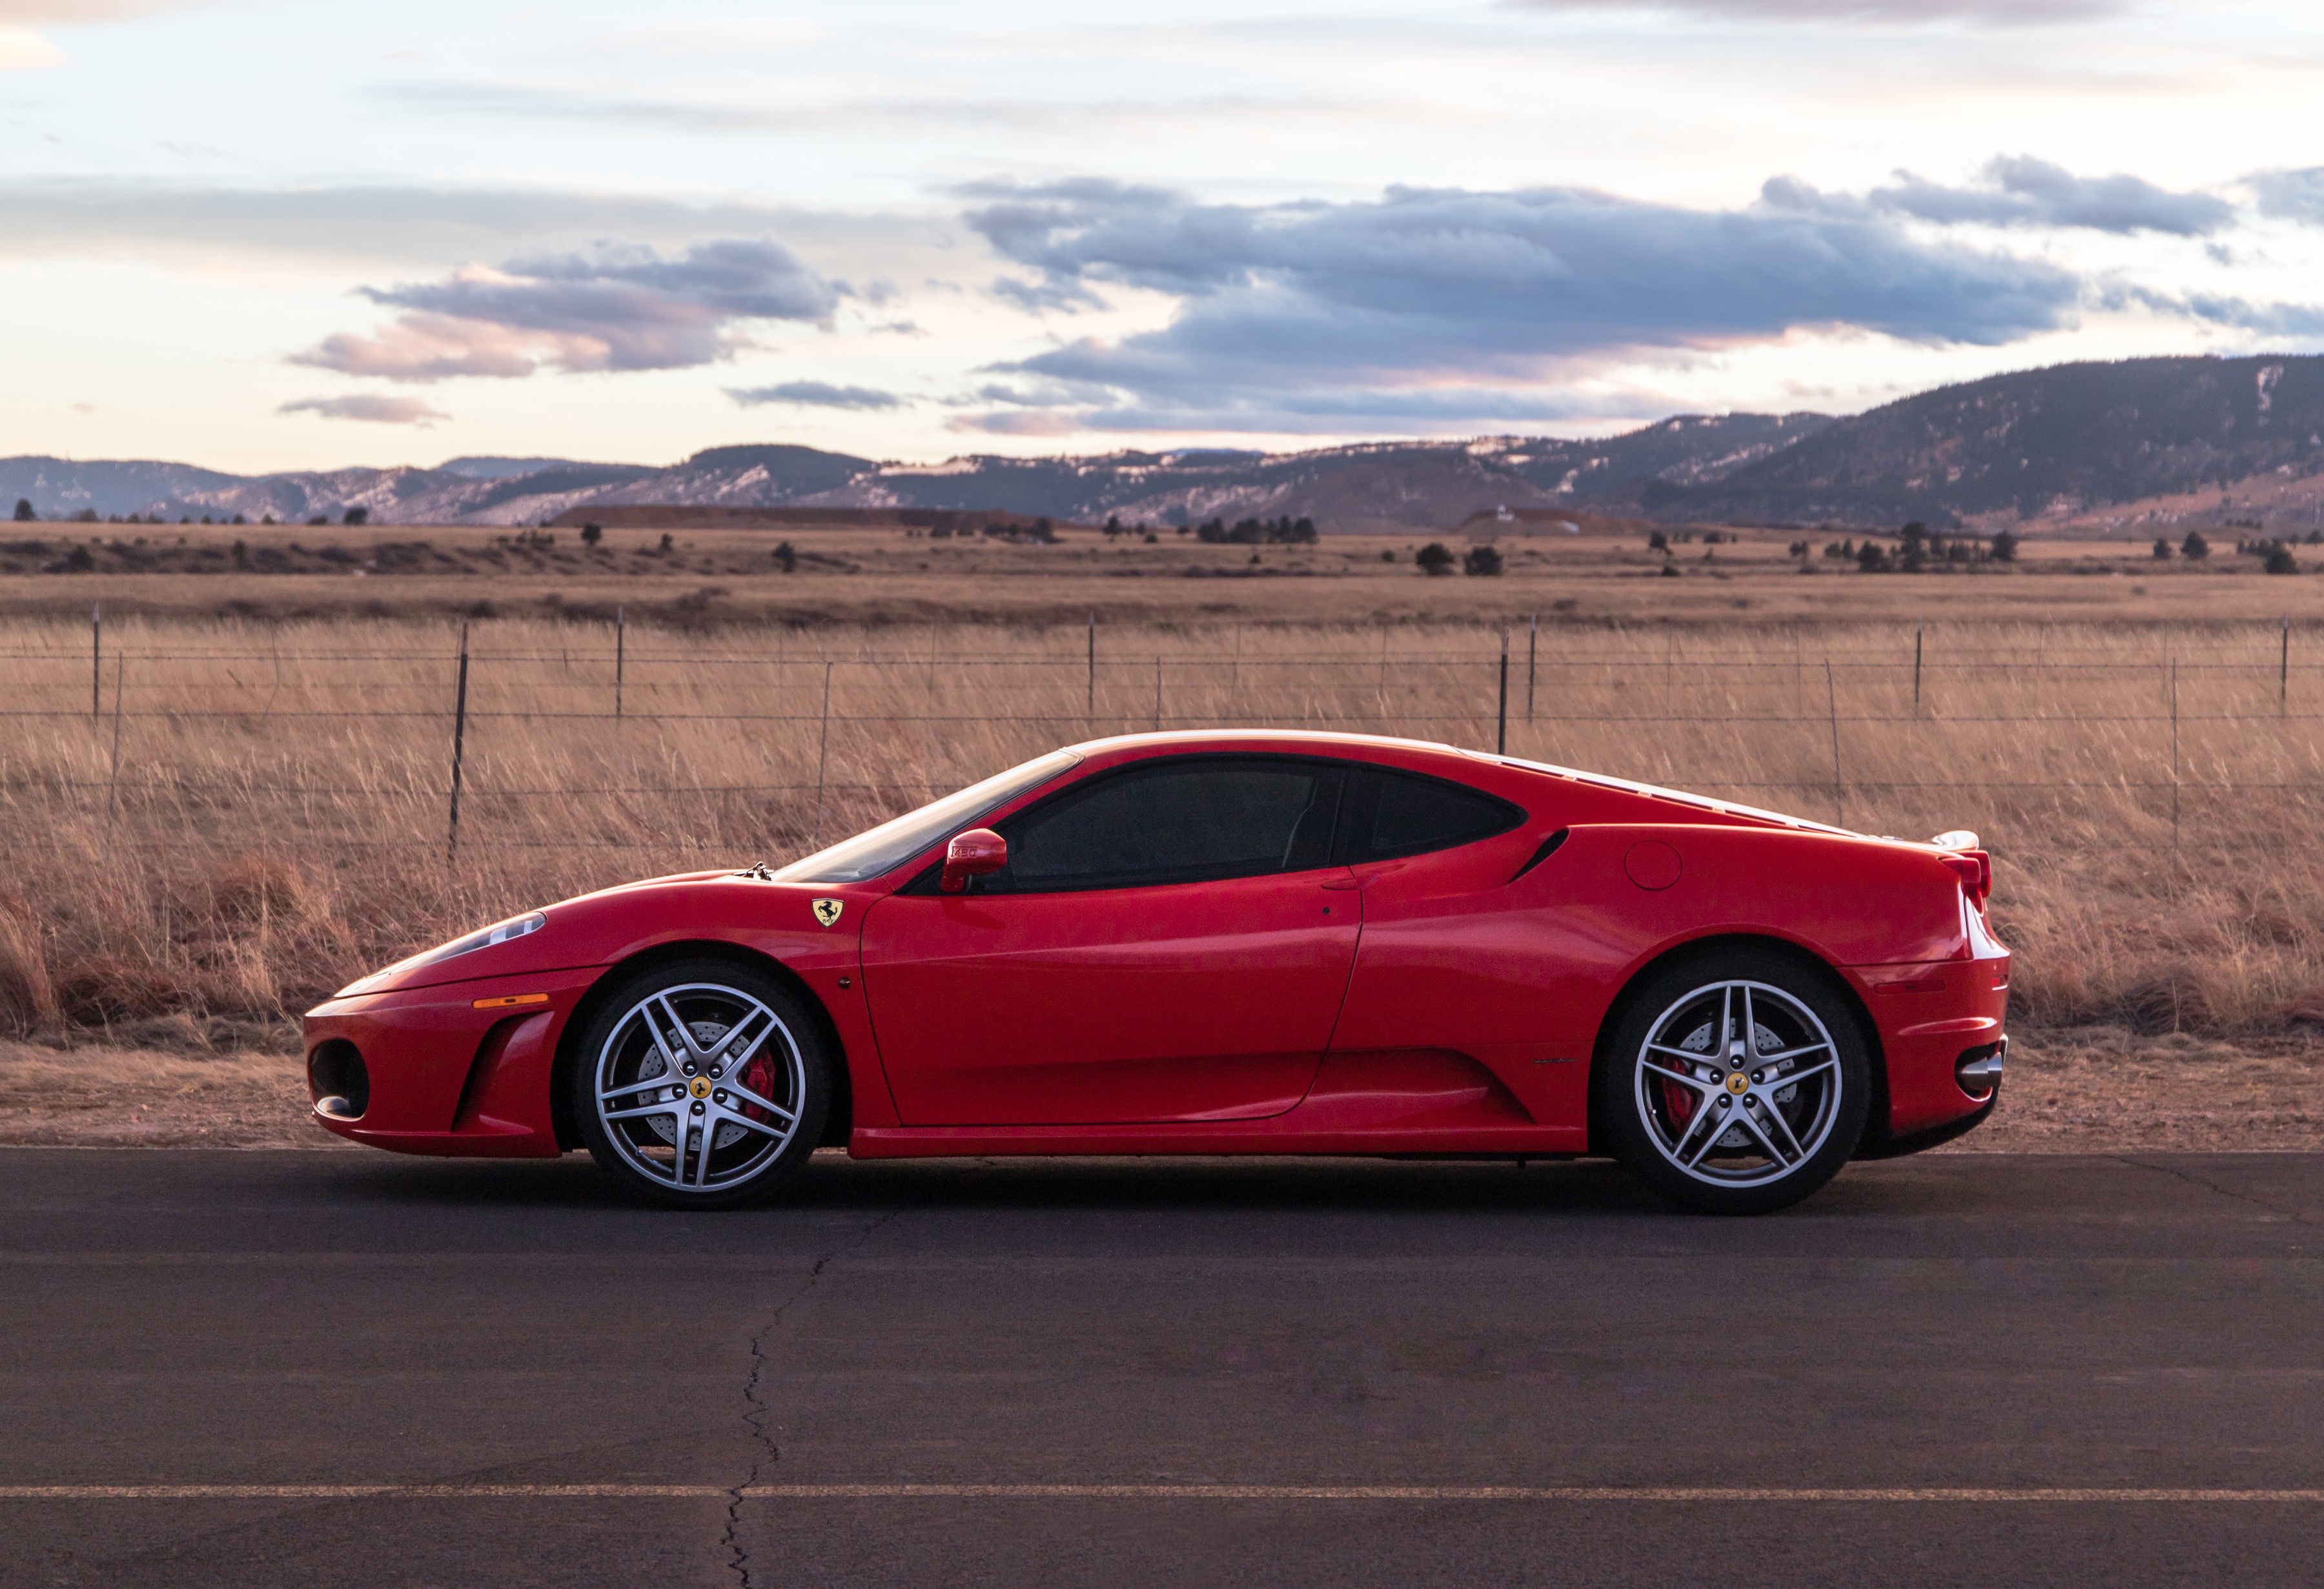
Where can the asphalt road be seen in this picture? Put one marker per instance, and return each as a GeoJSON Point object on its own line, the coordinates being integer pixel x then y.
{"type": "Point", "coordinates": [382, 1371]}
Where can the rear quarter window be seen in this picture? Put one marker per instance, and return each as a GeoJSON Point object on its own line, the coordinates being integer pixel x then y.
{"type": "Point", "coordinates": [1409, 813]}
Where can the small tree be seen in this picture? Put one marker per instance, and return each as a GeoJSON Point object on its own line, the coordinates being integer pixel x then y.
{"type": "Point", "coordinates": [591, 534]}
{"type": "Point", "coordinates": [24, 514]}
{"type": "Point", "coordinates": [2005, 546]}
{"type": "Point", "coordinates": [1481, 560]}
{"type": "Point", "coordinates": [1657, 542]}
{"type": "Point", "coordinates": [2162, 549]}
{"type": "Point", "coordinates": [86, 515]}
{"type": "Point", "coordinates": [355, 516]}
{"type": "Point", "coordinates": [2194, 548]}
{"type": "Point", "coordinates": [668, 542]}
{"type": "Point", "coordinates": [242, 554]}
{"type": "Point", "coordinates": [787, 557]}
{"type": "Point", "coordinates": [1872, 556]}
{"type": "Point", "coordinates": [2280, 559]}
{"type": "Point", "coordinates": [1435, 559]}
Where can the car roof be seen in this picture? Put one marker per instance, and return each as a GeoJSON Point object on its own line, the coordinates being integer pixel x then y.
{"type": "Point", "coordinates": [1416, 753]}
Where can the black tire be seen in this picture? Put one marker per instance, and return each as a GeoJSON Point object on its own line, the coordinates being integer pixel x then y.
{"type": "Point", "coordinates": [1794, 1105]}
{"type": "Point", "coordinates": [683, 1123]}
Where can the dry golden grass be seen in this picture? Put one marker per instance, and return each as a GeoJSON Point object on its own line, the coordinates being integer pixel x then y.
{"type": "Point", "coordinates": [256, 814]}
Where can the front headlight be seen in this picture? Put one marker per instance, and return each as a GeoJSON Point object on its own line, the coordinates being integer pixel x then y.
{"type": "Point", "coordinates": [499, 932]}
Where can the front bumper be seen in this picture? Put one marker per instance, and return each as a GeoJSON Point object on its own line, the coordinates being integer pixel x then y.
{"type": "Point", "coordinates": [458, 1068]}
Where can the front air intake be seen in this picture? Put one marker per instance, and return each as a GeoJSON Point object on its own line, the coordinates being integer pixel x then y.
{"type": "Point", "coordinates": [337, 1080]}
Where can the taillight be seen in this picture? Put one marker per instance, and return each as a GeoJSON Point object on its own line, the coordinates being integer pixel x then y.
{"type": "Point", "coordinates": [1974, 867]}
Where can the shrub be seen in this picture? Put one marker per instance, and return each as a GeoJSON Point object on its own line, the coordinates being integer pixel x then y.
{"type": "Point", "coordinates": [355, 516]}
{"type": "Point", "coordinates": [2280, 559]}
{"type": "Point", "coordinates": [591, 534]}
{"type": "Point", "coordinates": [1872, 556]}
{"type": "Point", "coordinates": [24, 514]}
{"type": "Point", "coordinates": [1482, 560]}
{"type": "Point", "coordinates": [1658, 542]}
{"type": "Point", "coordinates": [2194, 548]}
{"type": "Point", "coordinates": [2162, 549]}
{"type": "Point", "coordinates": [2005, 546]}
{"type": "Point", "coordinates": [1435, 559]}
{"type": "Point", "coordinates": [788, 558]}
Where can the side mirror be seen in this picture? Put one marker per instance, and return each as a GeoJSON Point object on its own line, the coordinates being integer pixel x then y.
{"type": "Point", "coordinates": [976, 853]}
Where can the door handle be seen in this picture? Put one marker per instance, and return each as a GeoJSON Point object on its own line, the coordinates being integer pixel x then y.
{"type": "Point", "coordinates": [1346, 885]}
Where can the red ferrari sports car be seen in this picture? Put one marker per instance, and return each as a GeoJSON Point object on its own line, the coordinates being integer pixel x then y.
{"type": "Point", "coordinates": [1252, 942]}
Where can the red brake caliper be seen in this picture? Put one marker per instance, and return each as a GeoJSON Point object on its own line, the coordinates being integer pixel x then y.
{"type": "Point", "coordinates": [759, 1075]}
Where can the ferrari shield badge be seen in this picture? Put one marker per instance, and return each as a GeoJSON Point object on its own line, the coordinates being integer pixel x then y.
{"type": "Point", "coordinates": [826, 911]}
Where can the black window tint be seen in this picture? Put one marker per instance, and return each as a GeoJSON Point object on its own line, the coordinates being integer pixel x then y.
{"type": "Point", "coordinates": [1177, 823]}
{"type": "Point", "coordinates": [1401, 814]}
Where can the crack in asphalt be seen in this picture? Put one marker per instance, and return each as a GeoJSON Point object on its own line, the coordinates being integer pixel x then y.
{"type": "Point", "coordinates": [2212, 1186]}
{"type": "Point", "coordinates": [755, 1409]}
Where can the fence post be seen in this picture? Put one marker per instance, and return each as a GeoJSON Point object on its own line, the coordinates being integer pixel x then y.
{"type": "Point", "coordinates": [1832, 705]}
{"type": "Point", "coordinates": [620, 655]}
{"type": "Point", "coordinates": [2283, 670]}
{"type": "Point", "coordinates": [822, 758]}
{"type": "Point", "coordinates": [1501, 725]}
{"type": "Point", "coordinates": [1157, 694]}
{"type": "Point", "coordinates": [1533, 655]}
{"type": "Point", "coordinates": [2174, 756]}
{"type": "Point", "coordinates": [459, 747]}
{"type": "Point", "coordinates": [1916, 668]}
{"type": "Point", "coordinates": [95, 660]}
{"type": "Point", "coordinates": [1088, 708]}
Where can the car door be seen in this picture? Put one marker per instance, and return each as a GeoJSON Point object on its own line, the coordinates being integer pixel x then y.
{"type": "Point", "coordinates": [1163, 945]}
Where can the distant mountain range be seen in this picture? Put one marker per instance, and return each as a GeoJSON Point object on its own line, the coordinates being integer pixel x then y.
{"type": "Point", "coordinates": [2071, 436]}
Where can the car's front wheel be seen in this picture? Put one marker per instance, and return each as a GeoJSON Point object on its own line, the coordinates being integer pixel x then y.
{"type": "Point", "coordinates": [1736, 1083]}
{"type": "Point", "coordinates": [703, 1084]}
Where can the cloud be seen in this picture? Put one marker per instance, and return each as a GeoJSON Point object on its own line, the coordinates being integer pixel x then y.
{"type": "Point", "coordinates": [372, 406]}
{"type": "Point", "coordinates": [415, 224]}
{"type": "Point", "coordinates": [1887, 13]}
{"type": "Point", "coordinates": [613, 306]}
{"type": "Point", "coordinates": [1451, 298]}
{"type": "Point", "coordinates": [2292, 196]}
{"type": "Point", "coordinates": [815, 394]}
{"type": "Point", "coordinates": [2022, 191]}
{"type": "Point", "coordinates": [19, 12]}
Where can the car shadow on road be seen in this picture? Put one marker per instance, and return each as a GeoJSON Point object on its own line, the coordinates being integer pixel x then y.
{"type": "Point", "coordinates": [834, 1184]}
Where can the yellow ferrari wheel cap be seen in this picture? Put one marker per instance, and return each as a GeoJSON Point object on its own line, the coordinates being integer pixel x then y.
{"type": "Point", "coordinates": [1738, 1084]}
{"type": "Point", "coordinates": [699, 1086]}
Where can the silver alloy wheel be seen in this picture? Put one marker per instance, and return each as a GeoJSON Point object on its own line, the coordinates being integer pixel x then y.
{"type": "Point", "coordinates": [699, 1088]}
{"type": "Point", "coordinates": [1738, 1084]}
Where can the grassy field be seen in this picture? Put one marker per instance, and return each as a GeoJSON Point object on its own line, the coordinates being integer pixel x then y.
{"type": "Point", "coordinates": [716, 577]}
{"type": "Point", "coordinates": [248, 814]}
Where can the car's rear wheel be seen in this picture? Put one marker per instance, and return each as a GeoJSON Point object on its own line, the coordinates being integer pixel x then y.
{"type": "Point", "coordinates": [702, 1084]}
{"type": "Point", "coordinates": [1736, 1083]}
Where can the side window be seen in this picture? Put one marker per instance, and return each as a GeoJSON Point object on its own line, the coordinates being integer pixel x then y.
{"type": "Point", "coordinates": [1176, 822]}
{"type": "Point", "coordinates": [1406, 814]}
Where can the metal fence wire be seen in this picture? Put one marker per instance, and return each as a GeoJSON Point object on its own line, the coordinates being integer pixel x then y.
{"type": "Point", "coordinates": [540, 736]}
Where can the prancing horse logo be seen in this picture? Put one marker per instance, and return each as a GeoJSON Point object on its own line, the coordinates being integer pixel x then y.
{"type": "Point", "coordinates": [826, 911]}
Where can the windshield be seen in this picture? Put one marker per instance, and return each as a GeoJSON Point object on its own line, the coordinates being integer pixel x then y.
{"type": "Point", "coordinates": [892, 843]}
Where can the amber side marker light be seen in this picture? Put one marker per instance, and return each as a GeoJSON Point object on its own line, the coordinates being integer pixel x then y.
{"type": "Point", "coordinates": [510, 1000]}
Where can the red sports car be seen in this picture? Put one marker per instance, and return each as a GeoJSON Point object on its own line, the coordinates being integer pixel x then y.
{"type": "Point", "coordinates": [1261, 943]}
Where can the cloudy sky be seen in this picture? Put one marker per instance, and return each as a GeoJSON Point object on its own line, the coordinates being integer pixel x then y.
{"type": "Point", "coordinates": [260, 234]}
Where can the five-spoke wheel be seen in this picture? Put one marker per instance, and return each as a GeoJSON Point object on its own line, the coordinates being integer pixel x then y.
{"type": "Point", "coordinates": [1737, 1084]}
{"type": "Point", "coordinates": [701, 1084]}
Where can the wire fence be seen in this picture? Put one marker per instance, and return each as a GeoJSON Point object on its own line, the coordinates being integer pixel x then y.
{"type": "Point", "coordinates": [531, 735]}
